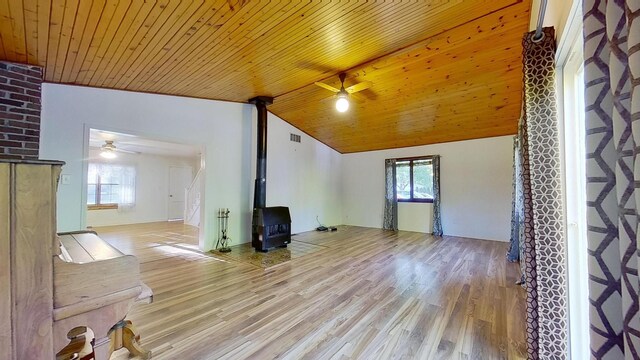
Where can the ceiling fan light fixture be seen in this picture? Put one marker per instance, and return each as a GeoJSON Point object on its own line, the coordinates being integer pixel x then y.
{"type": "Point", "coordinates": [108, 150]}
{"type": "Point", "coordinates": [108, 154]}
{"type": "Point", "coordinates": [342, 104]}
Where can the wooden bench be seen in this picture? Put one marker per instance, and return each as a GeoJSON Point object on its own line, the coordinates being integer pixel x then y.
{"type": "Point", "coordinates": [95, 286]}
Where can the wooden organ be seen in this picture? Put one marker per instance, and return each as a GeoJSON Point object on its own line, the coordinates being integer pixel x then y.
{"type": "Point", "coordinates": [55, 287]}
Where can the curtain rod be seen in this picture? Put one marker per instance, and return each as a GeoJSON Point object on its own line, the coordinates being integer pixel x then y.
{"type": "Point", "coordinates": [543, 9]}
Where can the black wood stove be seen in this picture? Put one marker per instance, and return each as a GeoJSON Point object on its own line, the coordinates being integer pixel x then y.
{"type": "Point", "coordinates": [271, 226]}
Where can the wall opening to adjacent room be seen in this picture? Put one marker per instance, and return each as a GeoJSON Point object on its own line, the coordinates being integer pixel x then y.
{"type": "Point", "coordinates": [132, 179]}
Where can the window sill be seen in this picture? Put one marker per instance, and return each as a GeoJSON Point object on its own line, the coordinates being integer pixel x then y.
{"type": "Point", "coordinates": [103, 207]}
{"type": "Point", "coordinates": [424, 201]}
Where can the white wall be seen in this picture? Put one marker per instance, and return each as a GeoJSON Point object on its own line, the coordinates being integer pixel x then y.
{"type": "Point", "coordinates": [310, 167]}
{"type": "Point", "coordinates": [475, 188]}
{"type": "Point", "coordinates": [152, 189]}
{"type": "Point", "coordinates": [416, 217]}
{"type": "Point", "coordinates": [310, 178]}
{"type": "Point", "coordinates": [222, 129]}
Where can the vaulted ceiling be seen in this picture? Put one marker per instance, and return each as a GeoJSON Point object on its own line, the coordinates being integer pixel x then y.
{"type": "Point", "coordinates": [441, 70]}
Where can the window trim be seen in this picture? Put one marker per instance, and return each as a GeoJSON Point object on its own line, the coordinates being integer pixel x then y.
{"type": "Point", "coordinates": [103, 207]}
{"type": "Point", "coordinates": [411, 160]}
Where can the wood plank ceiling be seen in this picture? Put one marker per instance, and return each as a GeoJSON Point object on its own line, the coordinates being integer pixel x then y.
{"type": "Point", "coordinates": [441, 70]}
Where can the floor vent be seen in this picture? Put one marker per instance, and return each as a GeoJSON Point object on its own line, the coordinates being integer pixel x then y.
{"type": "Point", "coordinates": [294, 137]}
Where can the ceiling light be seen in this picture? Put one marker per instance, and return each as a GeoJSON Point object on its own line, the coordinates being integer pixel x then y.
{"type": "Point", "coordinates": [108, 154]}
{"type": "Point", "coordinates": [342, 104]}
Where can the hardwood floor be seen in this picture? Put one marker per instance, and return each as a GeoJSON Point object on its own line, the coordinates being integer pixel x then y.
{"type": "Point", "coordinates": [368, 294]}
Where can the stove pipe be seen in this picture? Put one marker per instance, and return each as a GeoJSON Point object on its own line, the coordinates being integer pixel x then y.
{"type": "Point", "coordinates": [260, 188]}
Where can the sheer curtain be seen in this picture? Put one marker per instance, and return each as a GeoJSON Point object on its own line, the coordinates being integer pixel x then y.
{"type": "Point", "coordinates": [437, 211]}
{"type": "Point", "coordinates": [517, 205]}
{"type": "Point", "coordinates": [390, 221]}
{"type": "Point", "coordinates": [118, 183]}
{"type": "Point", "coordinates": [127, 176]}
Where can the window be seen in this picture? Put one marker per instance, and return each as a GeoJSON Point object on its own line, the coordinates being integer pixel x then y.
{"type": "Point", "coordinates": [572, 88]}
{"type": "Point", "coordinates": [414, 180]}
{"type": "Point", "coordinates": [110, 186]}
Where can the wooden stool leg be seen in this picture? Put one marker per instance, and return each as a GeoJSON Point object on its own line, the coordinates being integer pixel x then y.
{"type": "Point", "coordinates": [130, 340]}
{"type": "Point", "coordinates": [115, 337]}
{"type": "Point", "coordinates": [102, 349]}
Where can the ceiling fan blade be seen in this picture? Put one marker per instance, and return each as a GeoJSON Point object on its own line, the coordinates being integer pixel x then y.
{"type": "Point", "coordinates": [127, 151]}
{"type": "Point", "coordinates": [328, 87]}
{"type": "Point", "coordinates": [359, 87]}
{"type": "Point", "coordinates": [329, 98]}
{"type": "Point", "coordinates": [357, 98]}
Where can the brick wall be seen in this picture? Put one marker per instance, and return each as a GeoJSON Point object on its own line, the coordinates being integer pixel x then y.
{"type": "Point", "coordinates": [19, 110]}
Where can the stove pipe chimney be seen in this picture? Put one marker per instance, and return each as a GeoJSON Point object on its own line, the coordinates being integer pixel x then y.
{"type": "Point", "coordinates": [271, 226]}
{"type": "Point", "coordinates": [260, 189]}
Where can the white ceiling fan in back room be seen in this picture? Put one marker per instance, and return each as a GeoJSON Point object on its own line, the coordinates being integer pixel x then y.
{"type": "Point", "coordinates": [109, 149]}
{"type": "Point", "coordinates": [342, 95]}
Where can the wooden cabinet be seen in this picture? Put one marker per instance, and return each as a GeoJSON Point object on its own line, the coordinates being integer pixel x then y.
{"type": "Point", "coordinates": [27, 246]}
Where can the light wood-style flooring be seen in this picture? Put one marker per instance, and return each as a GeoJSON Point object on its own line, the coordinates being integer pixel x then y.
{"type": "Point", "coordinates": [367, 294]}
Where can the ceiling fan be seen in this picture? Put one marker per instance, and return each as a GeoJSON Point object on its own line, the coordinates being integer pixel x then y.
{"type": "Point", "coordinates": [343, 95]}
{"type": "Point", "coordinates": [109, 149]}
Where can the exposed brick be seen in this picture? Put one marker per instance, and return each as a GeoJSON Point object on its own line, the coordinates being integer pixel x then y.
{"type": "Point", "coordinates": [11, 102]}
{"type": "Point", "coordinates": [24, 84]}
{"type": "Point", "coordinates": [7, 130]}
{"type": "Point", "coordinates": [32, 71]}
{"type": "Point", "coordinates": [13, 89]}
{"type": "Point", "coordinates": [25, 98]}
{"type": "Point", "coordinates": [20, 105]}
{"type": "Point", "coordinates": [34, 107]}
{"type": "Point", "coordinates": [23, 111]}
{"type": "Point", "coordinates": [24, 125]}
{"type": "Point", "coordinates": [6, 156]}
{"type": "Point", "coordinates": [20, 151]}
{"type": "Point", "coordinates": [22, 137]}
{"type": "Point", "coordinates": [11, 75]}
{"type": "Point", "coordinates": [15, 144]}
{"type": "Point", "coordinates": [6, 115]}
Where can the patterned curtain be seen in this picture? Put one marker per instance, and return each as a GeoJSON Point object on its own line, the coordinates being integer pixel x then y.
{"type": "Point", "coordinates": [390, 221]}
{"type": "Point", "coordinates": [612, 99]}
{"type": "Point", "coordinates": [517, 206]}
{"type": "Point", "coordinates": [544, 246]}
{"type": "Point", "coordinates": [437, 211]}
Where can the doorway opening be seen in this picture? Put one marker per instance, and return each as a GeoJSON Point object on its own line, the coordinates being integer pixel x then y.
{"type": "Point", "coordinates": [140, 186]}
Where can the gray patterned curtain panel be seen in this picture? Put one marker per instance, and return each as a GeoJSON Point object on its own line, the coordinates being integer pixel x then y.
{"type": "Point", "coordinates": [544, 253]}
{"type": "Point", "coordinates": [437, 211]}
{"type": "Point", "coordinates": [612, 99]}
{"type": "Point", "coordinates": [390, 221]}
